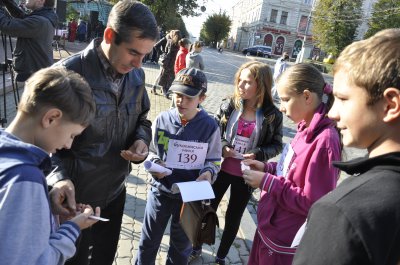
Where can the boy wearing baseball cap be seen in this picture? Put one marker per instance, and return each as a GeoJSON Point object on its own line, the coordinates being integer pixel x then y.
{"type": "Point", "coordinates": [187, 140]}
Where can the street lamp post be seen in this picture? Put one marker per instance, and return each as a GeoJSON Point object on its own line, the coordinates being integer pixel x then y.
{"type": "Point", "coordinates": [300, 56]}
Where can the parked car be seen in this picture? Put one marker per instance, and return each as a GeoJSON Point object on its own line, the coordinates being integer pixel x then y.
{"type": "Point", "coordinates": [258, 50]}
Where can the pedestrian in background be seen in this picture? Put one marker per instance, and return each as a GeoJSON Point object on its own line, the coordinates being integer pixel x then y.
{"type": "Point", "coordinates": [358, 222]}
{"type": "Point", "coordinates": [160, 47]}
{"type": "Point", "coordinates": [35, 31]}
{"type": "Point", "coordinates": [251, 128]}
{"type": "Point", "coordinates": [94, 170]}
{"type": "Point", "coordinates": [82, 31]}
{"type": "Point", "coordinates": [56, 105]}
{"type": "Point", "coordinates": [167, 73]}
{"type": "Point", "coordinates": [157, 50]}
{"type": "Point", "coordinates": [180, 61]}
{"type": "Point", "coordinates": [185, 125]}
{"type": "Point", "coordinates": [194, 59]}
{"type": "Point", "coordinates": [72, 28]}
{"type": "Point", "coordinates": [304, 172]}
{"type": "Point", "coordinates": [280, 66]}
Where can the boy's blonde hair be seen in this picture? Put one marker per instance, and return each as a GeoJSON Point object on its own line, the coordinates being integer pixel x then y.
{"type": "Point", "coordinates": [263, 76]}
{"type": "Point", "coordinates": [373, 64]}
{"type": "Point", "coordinates": [59, 88]}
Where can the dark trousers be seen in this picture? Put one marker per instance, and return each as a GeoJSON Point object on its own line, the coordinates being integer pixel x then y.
{"type": "Point", "coordinates": [102, 236]}
{"type": "Point", "coordinates": [161, 207]}
{"type": "Point", "coordinates": [240, 196]}
{"type": "Point", "coordinates": [154, 55]}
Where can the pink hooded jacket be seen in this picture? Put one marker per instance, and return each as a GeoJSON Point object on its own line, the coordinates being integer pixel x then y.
{"type": "Point", "coordinates": [285, 201]}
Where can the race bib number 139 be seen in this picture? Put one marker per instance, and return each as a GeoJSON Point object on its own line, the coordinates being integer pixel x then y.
{"type": "Point", "coordinates": [186, 155]}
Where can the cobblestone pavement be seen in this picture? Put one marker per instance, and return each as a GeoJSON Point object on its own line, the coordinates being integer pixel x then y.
{"type": "Point", "coordinates": [220, 85]}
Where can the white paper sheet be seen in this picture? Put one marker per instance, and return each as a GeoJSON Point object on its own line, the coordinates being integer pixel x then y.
{"type": "Point", "coordinates": [243, 166]}
{"type": "Point", "coordinates": [153, 167]}
{"type": "Point", "coordinates": [299, 235]}
{"type": "Point", "coordinates": [194, 190]}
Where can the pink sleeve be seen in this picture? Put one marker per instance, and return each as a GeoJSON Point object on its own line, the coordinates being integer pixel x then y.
{"type": "Point", "coordinates": [320, 178]}
{"type": "Point", "coordinates": [270, 167]}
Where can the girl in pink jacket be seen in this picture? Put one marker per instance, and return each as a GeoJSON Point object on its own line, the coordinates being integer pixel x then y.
{"type": "Point", "coordinates": [304, 172]}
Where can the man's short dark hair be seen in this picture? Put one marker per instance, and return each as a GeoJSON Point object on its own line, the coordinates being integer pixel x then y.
{"type": "Point", "coordinates": [130, 16]}
{"type": "Point", "coordinates": [49, 3]}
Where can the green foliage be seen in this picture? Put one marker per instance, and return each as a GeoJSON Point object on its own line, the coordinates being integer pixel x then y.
{"type": "Point", "coordinates": [385, 14]}
{"type": "Point", "coordinates": [169, 13]}
{"type": "Point", "coordinates": [215, 28]}
{"type": "Point", "coordinates": [335, 23]}
{"type": "Point", "coordinates": [71, 13]}
{"type": "Point", "coordinates": [203, 36]}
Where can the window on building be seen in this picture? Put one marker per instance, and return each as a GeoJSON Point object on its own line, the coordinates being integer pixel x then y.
{"type": "Point", "coordinates": [303, 24]}
{"type": "Point", "coordinates": [284, 16]}
{"type": "Point", "coordinates": [274, 14]}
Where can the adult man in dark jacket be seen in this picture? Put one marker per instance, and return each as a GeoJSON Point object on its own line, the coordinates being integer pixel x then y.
{"type": "Point", "coordinates": [93, 171]}
{"type": "Point", "coordinates": [34, 33]}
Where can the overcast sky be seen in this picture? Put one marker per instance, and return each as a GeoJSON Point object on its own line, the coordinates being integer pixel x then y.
{"type": "Point", "coordinates": [194, 24]}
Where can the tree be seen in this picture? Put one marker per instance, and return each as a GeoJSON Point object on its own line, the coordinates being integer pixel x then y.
{"type": "Point", "coordinates": [71, 13]}
{"type": "Point", "coordinates": [169, 13]}
{"type": "Point", "coordinates": [335, 23]}
{"type": "Point", "coordinates": [216, 28]}
{"type": "Point", "coordinates": [385, 14]}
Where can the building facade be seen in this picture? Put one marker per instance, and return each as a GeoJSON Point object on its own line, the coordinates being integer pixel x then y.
{"type": "Point", "coordinates": [282, 24]}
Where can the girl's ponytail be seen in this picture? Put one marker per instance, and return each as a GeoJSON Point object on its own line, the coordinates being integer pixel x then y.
{"type": "Point", "coordinates": [328, 93]}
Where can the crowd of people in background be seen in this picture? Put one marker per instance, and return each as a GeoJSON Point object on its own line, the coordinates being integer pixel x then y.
{"type": "Point", "coordinates": [173, 53]}
{"type": "Point", "coordinates": [84, 31]}
{"type": "Point", "coordinates": [81, 122]}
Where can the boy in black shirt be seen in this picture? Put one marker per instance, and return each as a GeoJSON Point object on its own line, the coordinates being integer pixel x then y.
{"type": "Point", "coordinates": [358, 222]}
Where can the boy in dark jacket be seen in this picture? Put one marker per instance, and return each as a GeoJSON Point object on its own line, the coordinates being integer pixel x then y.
{"type": "Point", "coordinates": [358, 222]}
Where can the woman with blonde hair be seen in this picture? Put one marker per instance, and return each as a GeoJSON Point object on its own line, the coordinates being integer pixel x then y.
{"type": "Point", "coordinates": [251, 128]}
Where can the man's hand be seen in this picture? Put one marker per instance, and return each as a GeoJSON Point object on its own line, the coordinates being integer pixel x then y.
{"type": "Point", "coordinates": [205, 176]}
{"type": "Point", "coordinates": [137, 152]}
{"type": "Point", "coordinates": [62, 198]}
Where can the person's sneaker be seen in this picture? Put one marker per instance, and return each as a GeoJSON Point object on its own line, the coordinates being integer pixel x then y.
{"type": "Point", "coordinates": [219, 261]}
{"type": "Point", "coordinates": [196, 253]}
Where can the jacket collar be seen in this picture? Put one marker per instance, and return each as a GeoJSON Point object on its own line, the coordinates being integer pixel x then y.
{"type": "Point", "coordinates": [319, 122]}
{"type": "Point", "coordinates": [361, 165]}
